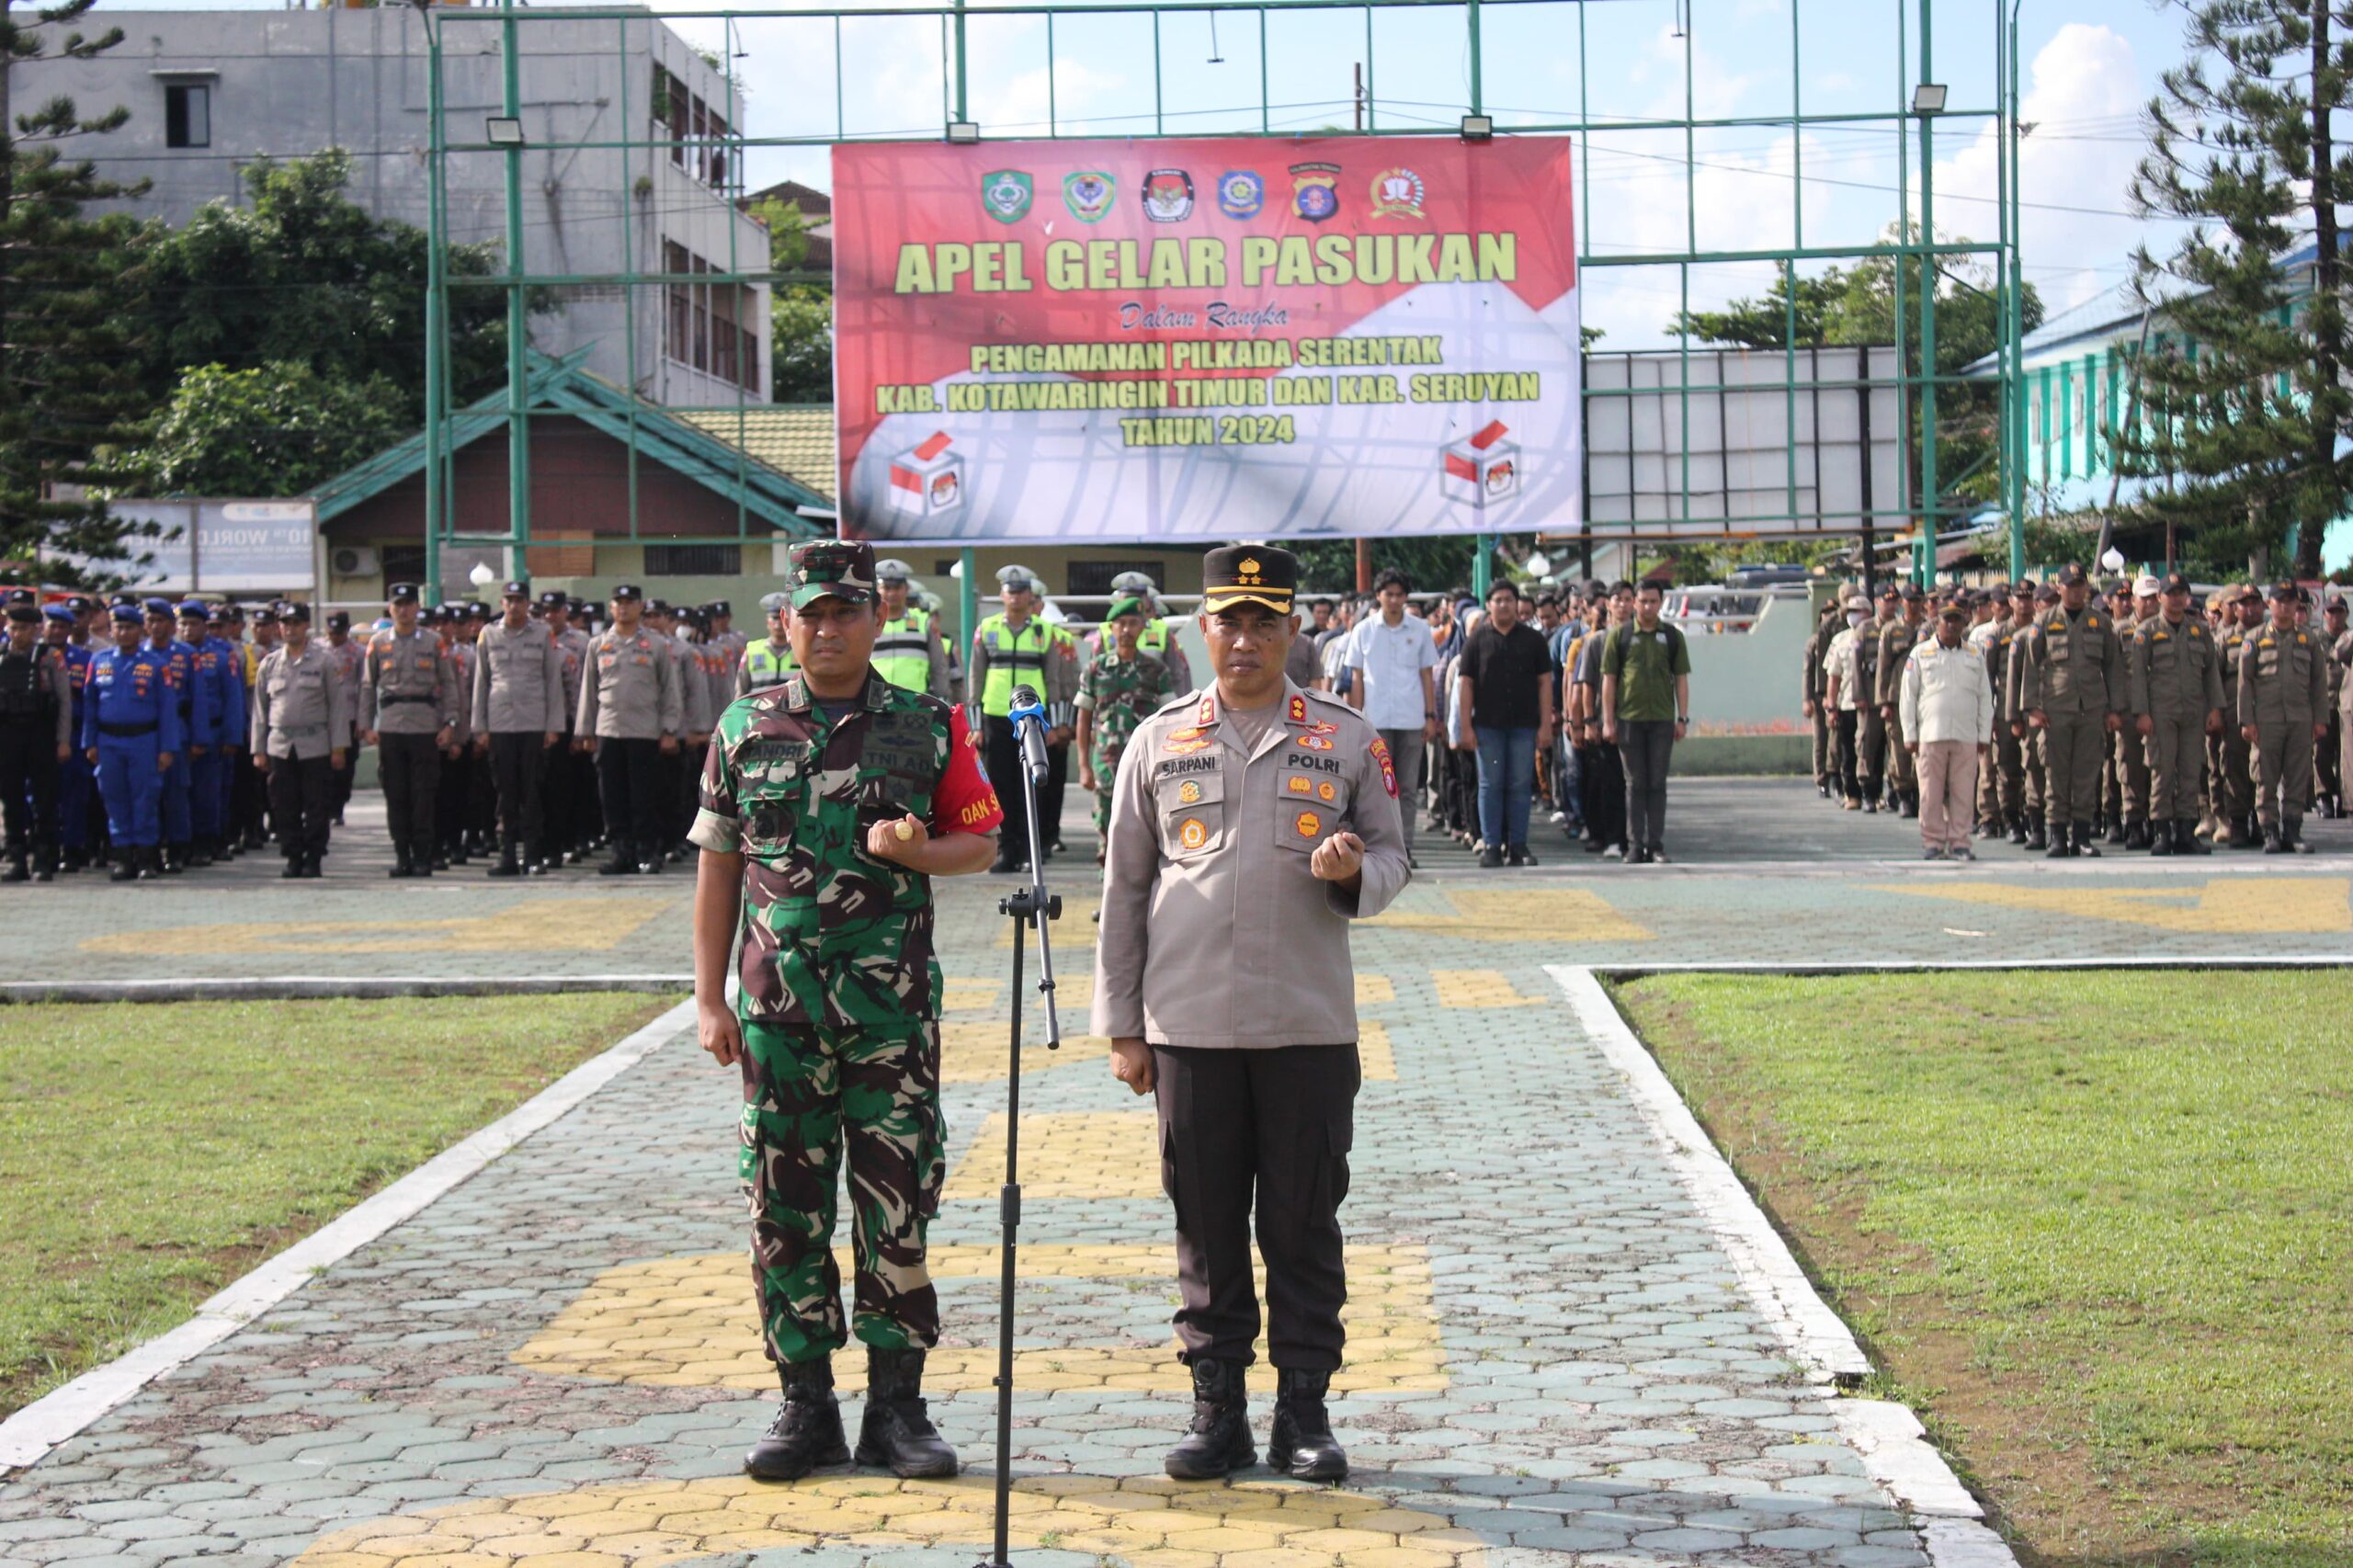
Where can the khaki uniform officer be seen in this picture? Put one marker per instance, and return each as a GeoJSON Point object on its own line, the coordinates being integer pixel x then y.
{"type": "Point", "coordinates": [408, 711]}
{"type": "Point", "coordinates": [2332, 747]}
{"type": "Point", "coordinates": [1896, 641]}
{"type": "Point", "coordinates": [1813, 682]}
{"type": "Point", "coordinates": [300, 721]}
{"type": "Point", "coordinates": [2176, 685]}
{"type": "Point", "coordinates": [519, 717]}
{"type": "Point", "coordinates": [630, 712]}
{"type": "Point", "coordinates": [2072, 690]}
{"type": "Point", "coordinates": [2282, 703]}
{"type": "Point", "coordinates": [1250, 824]}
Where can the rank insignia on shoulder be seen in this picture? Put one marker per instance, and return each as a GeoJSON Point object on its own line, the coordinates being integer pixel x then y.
{"type": "Point", "coordinates": [1298, 709]}
{"type": "Point", "coordinates": [1206, 713]}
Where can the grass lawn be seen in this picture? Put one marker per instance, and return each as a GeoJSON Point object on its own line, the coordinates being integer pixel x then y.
{"type": "Point", "coordinates": [2098, 1229]}
{"type": "Point", "coordinates": [151, 1153]}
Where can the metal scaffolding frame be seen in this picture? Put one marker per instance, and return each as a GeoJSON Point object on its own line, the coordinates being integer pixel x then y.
{"type": "Point", "coordinates": [1921, 507]}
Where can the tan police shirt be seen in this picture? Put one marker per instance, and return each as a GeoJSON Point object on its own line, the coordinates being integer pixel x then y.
{"type": "Point", "coordinates": [629, 688]}
{"type": "Point", "coordinates": [407, 685]}
{"type": "Point", "coordinates": [518, 681]}
{"type": "Point", "coordinates": [1215, 930]}
{"type": "Point", "coordinates": [298, 706]}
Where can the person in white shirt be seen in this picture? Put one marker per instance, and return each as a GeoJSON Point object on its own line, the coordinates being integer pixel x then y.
{"type": "Point", "coordinates": [1396, 660]}
{"type": "Point", "coordinates": [1947, 713]}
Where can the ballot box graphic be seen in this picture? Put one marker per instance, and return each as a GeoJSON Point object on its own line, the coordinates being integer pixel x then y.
{"type": "Point", "coordinates": [1483, 470]}
{"type": "Point", "coordinates": [928, 480]}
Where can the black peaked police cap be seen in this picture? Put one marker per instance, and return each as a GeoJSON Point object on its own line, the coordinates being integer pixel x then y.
{"type": "Point", "coordinates": [1248, 573]}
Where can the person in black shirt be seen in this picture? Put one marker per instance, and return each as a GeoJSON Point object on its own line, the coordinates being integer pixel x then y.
{"type": "Point", "coordinates": [1505, 714]}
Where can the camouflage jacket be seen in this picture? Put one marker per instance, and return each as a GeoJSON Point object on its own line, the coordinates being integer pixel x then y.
{"type": "Point", "coordinates": [831, 937]}
{"type": "Point", "coordinates": [1120, 694]}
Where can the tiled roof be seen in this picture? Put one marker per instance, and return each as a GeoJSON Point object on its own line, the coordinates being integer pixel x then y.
{"type": "Point", "coordinates": [796, 440]}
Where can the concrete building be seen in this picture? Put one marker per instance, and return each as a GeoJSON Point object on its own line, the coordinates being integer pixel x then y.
{"type": "Point", "coordinates": [210, 92]}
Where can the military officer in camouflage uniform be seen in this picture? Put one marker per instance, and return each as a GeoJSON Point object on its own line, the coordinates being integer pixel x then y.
{"type": "Point", "coordinates": [2174, 675]}
{"type": "Point", "coordinates": [1121, 687]}
{"type": "Point", "coordinates": [828, 804]}
{"type": "Point", "coordinates": [2072, 690]}
{"type": "Point", "coordinates": [1897, 638]}
{"type": "Point", "coordinates": [2282, 704]}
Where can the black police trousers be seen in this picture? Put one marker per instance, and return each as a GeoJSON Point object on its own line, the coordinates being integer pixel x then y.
{"type": "Point", "coordinates": [1274, 1126]}
{"type": "Point", "coordinates": [517, 758]}
{"type": "Point", "coordinates": [411, 769]}
{"type": "Point", "coordinates": [301, 797]}
{"type": "Point", "coordinates": [629, 777]}
{"type": "Point", "coordinates": [29, 784]}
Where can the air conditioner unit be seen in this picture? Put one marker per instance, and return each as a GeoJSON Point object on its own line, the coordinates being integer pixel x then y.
{"type": "Point", "coordinates": [355, 561]}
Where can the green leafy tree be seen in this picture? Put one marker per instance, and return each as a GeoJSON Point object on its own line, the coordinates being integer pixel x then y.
{"type": "Point", "coordinates": [275, 429]}
{"type": "Point", "coordinates": [801, 315]}
{"type": "Point", "coordinates": [2247, 409]}
{"type": "Point", "coordinates": [300, 275]}
{"type": "Point", "coordinates": [67, 385]}
{"type": "Point", "coordinates": [1329, 567]}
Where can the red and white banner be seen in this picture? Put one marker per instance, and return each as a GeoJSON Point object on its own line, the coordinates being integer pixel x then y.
{"type": "Point", "coordinates": [1205, 339]}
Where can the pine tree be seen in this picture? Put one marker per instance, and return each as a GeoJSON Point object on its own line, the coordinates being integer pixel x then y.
{"type": "Point", "coordinates": [2241, 389]}
{"type": "Point", "coordinates": [68, 386]}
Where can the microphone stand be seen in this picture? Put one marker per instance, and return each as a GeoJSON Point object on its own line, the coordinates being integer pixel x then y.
{"type": "Point", "coordinates": [1028, 906]}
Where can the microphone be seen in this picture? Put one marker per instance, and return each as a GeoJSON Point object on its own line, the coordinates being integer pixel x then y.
{"type": "Point", "coordinates": [1028, 717]}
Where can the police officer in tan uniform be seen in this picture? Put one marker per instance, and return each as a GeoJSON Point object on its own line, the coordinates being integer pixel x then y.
{"type": "Point", "coordinates": [518, 715]}
{"type": "Point", "coordinates": [408, 711]}
{"type": "Point", "coordinates": [300, 728]}
{"type": "Point", "coordinates": [2175, 678]}
{"type": "Point", "coordinates": [630, 712]}
{"type": "Point", "coordinates": [2073, 690]}
{"type": "Point", "coordinates": [2282, 703]}
{"type": "Point", "coordinates": [1251, 823]}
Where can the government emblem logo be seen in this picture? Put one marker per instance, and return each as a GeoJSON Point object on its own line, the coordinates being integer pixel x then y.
{"type": "Point", "coordinates": [1088, 194]}
{"type": "Point", "coordinates": [1006, 194]}
{"type": "Point", "coordinates": [1241, 193]}
{"type": "Point", "coordinates": [1194, 834]}
{"type": "Point", "coordinates": [1169, 196]}
{"type": "Point", "coordinates": [1397, 193]}
{"type": "Point", "coordinates": [1308, 825]}
{"type": "Point", "coordinates": [1188, 793]}
{"type": "Point", "coordinates": [1311, 193]}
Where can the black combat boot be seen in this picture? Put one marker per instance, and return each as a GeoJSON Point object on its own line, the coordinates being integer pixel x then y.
{"type": "Point", "coordinates": [2118, 830]}
{"type": "Point", "coordinates": [2017, 828]}
{"type": "Point", "coordinates": [807, 1432]}
{"type": "Point", "coordinates": [151, 863]}
{"type": "Point", "coordinates": [126, 866]}
{"type": "Point", "coordinates": [2136, 834]}
{"type": "Point", "coordinates": [2086, 841]}
{"type": "Point", "coordinates": [535, 860]}
{"type": "Point", "coordinates": [1218, 1442]}
{"type": "Point", "coordinates": [1912, 803]}
{"type": "Point", "coordinates": [2059, 849]}
{"type": "Point", "coordinates": [2165, 838]}
{"type": "Point", "coordinates": [2294, 834]}
{"type": "Point", "coordinates": [624, 860]}
{"type": "Point", "coordinates": [401, 864]}
{"type": "Point", "coordinates": [293, 869]}
{"type": "Point", "coordinates": [2243, 836]}
{"type": "Point", "coordinates": [508, 866]}
{"type": "Point", "coordinates": [1301, 1444]}
{"type": "Point", "coordinates": [896, 1433]}
{"type": "Point", "coordinates": [2037, 836]}
{"type": "Point", "coordinates": [2187, 841]}
{"type": "Point", "coordinates": [2273, 843]}
{"type": "Point", "coordinates": [17, 871]}
{"type": "Point", "coordinates": [650, 858]}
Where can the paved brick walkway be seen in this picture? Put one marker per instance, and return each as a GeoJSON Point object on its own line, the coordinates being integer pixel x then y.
{"type": "Point", "coordinates": [1552, 1360]}
{"type": "Point", "coordinates": [1765, 872]}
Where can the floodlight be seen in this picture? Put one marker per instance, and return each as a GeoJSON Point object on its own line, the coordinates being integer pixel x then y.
{"type": "Point", "coordinates": [1928, 97]}
{"type": "Point", "coordinates": [1478, 128]}
{"type": "Point", "coordinates": [963, 132]}
{"type": "Point", "coordinates": [503, 131]}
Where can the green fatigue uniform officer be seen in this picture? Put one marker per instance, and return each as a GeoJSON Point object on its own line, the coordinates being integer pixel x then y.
{"type": "Point", "coordinates": [909, 651]}
{"type": "Point", "coordinates": [1814, 684]}
{"type": "Point", "coordinates": [299, 724]}
{"type": "Point", "coordinates": [2073, 691]}
{"type": "Point", "coordinates": [2282, 707]}
{"type": "Point", "coordinates": [2175, 682]}
{"type": "Point", "coordinates": [827, 805]}
{"type": "Point", "coordinates": [1252, 823]}
{"type": "Point", "coordinates": [1157, 639]}
{"type": "Point", "coordinates": [1119, 689]}
{"type": "Point", "coordinates": [768, 660]}
{"type": "Point", "coordinates": [1896, 641]}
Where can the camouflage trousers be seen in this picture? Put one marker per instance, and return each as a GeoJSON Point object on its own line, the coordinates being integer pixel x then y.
{"type": "Point", "coordinates": [810, 1096]}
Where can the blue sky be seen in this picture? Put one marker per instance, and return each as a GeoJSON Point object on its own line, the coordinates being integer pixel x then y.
{"type": "Point", "coordinates": [2090, 68]}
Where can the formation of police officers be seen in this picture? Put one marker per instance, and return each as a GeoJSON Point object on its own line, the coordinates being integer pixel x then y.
{"type": "Point", "coordinates": [2139, 716]}
{"type": "Point", "coordinates": [152, 737]}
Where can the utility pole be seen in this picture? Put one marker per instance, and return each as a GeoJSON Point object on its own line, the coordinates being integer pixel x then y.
{"type": "Point", "coordinates": [1364, 546]}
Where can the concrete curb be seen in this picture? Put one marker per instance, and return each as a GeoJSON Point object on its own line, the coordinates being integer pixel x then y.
{"type": "Point", "coordinates": [30, 1435]}
{"type": "Point", "coordinates": [1892, 1442]}
{"type": "Point", "coordinates": [1926, 966]}
{"type": "Point", "coordinates": [300, 987]}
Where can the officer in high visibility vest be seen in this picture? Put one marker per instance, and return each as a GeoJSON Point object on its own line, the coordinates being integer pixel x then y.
{"type": "Point", "coordinates": [909, 651]}
{"type": "Point", "coordinates": [768, 660]}
{"type": "Point", "coordinates": [1016, 648]}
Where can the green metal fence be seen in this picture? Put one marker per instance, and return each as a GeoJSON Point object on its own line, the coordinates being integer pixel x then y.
{"type": "Point", "coordinates": [1913, 109]}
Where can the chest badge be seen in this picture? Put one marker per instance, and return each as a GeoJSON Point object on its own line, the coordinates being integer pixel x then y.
{"type": "Point", "coordinates": [1313, 743]}
{"type": "Point", "coordinates": [1327, 792]}
{"type": "Point", "coordinates": [1299, 784]}
{"type": "Point", "coordinates": [1180, 749]}
{"type": "Point", "coordinates": [1308, 825]}
{"type": "Point", "coordinates": [1193, 833]}
{"type": "Point", "coordinates": [1189, 792]}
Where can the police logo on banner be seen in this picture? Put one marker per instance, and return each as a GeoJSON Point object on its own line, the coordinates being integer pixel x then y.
{"type": "Point", "coordinates": [1312, 194]}
{"type": "Point", "coordinates": [1241, 193]}
{"type": "Point", "coordinates": [1089, 194]}
{"type": "Point", "coordinates": [1397, 193]}
{"type": "Point", "coordinates": [1006, 194]}
{"type": "Point", "coordinates": [1169, 196]}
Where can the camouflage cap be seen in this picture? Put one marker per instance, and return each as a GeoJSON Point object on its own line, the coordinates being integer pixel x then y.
{"type": "Point", "coordinates": [841, 569]}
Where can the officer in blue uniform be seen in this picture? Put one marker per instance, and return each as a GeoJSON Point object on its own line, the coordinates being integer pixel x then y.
{"type": "Point", "coordinates": [74, 790]}
{"type": "Point", "coordinates": [131, 733]}
{"type": "Point", "coordinates": [196, 724]}
{"type": "Point", "coordinates": [209, 746]}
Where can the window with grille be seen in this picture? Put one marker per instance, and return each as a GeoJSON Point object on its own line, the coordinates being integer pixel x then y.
{"type": "Point", "coordinates": [693, 559]}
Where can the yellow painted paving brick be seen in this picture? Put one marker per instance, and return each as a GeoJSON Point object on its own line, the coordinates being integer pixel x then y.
{"type": "Point", "coordinates": [2241, 906]}
{"type": "Point", "coordinates": [1074, 930]}
{"type": "Point", "coordinates": [1079, 1154]}
{"type": "Point", "coordinates": [687, 1323]}
{"type": "Point", "coordinates": [1374, 988]}
{"type": "Point", "coordinates": [540, 925]}
{"type": "Point", "coordinates": [1478, 988]}
{"type": "Point", "coordinates": [974, 1052]}
{"type": "Point", "coordinates": [1548, 915]}
{"type": "Point", "coordinates": [1374, 1055]}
